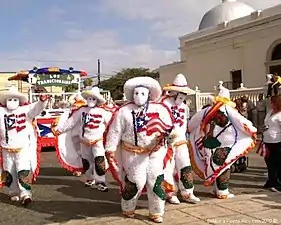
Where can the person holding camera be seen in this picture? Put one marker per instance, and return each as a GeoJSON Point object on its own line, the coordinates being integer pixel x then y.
{"type": "Point", "coordinates": [272, 140]}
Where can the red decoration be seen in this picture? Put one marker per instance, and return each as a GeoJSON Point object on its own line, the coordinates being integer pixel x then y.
{"type": "Point", "coordinates": [44, 98]}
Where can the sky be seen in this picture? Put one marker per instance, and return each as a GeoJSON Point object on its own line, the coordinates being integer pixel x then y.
{"type": "Point", "coordinates": [121, 33]}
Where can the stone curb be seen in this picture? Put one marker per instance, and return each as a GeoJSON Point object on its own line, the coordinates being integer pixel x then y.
{"type": "Point", "coordinates": [212, 201]}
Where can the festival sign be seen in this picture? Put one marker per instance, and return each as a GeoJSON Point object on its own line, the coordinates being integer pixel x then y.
{"type": "Point", "coordinates": [48, 80]}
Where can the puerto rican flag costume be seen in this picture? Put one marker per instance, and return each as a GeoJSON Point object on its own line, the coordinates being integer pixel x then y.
{"type": "Point", "coordinates": [177, 158]}
{"type": "Point", "coordinates": [20, 159]}
{"type": "Point", "coordinates": [88, 123]}
{"type": "Point", "coordinates": [136, 146]}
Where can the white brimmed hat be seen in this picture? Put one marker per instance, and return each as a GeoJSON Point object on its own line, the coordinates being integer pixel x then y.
{"type": "Point", "coordinates": [13, 93]}
{"type": "Point", "coordinates": [71, 99]}
{"type": "Point", "coordinates": [179, 85]}
{"type": "Point", "coordinates": [94, 93]}
{"type": "Point", "coordinates": [151, 84]}
{"type": "Point", "coordinates": [75, 98]}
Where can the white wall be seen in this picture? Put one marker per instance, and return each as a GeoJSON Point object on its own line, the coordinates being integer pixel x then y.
{"type": "Point", "coordinates": [212, 60]}
{"type": "Point", "coordinates": [168, 72]}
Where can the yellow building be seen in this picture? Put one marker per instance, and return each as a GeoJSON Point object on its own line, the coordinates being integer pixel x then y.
{"type": "Point", "coordinates": [234, 43]}
{"type": "Point", "coordinates": [5, 84]}
{"type": "Point", "coordinates": [22, 86]}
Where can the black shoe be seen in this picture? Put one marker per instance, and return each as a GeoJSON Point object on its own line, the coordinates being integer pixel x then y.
{"type": "Point", "coordinates": [102, 187]}
{"type": "Point", "coordinates": [241, 168]}
{"type": "Point", "coordinates": [272, 188]}
{"type": "Point", "coordinates": [267, 185]}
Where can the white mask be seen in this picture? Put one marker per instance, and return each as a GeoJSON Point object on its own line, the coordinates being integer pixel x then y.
{"type": "Point", "coordinates": [141, 96]}
{"type": "Point", "coordinates": [12, 103]}
{"type": "Point", "coordinates": [180, 98]}
{"type": "Point", "coordinates": [91, 102]}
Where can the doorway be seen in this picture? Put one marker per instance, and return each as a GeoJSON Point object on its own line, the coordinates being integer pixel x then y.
{"type": "Point", "coordinates": [236, 77]}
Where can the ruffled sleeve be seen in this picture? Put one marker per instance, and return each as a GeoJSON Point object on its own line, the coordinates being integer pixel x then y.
{"type": "Point", "coordinates": [35, 109]}
{"type": "Point", "coordinates": [70, 122]}
{"type": "Point", "coordinates": [196, 120]}
{"type": "Point", "coordinates": [240, 122]}
{"type": "Point", "coordinates": [114, 132]}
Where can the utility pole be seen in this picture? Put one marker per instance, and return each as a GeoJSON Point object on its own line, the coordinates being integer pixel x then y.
{"type": "Point", "coordinates": [98, 73]}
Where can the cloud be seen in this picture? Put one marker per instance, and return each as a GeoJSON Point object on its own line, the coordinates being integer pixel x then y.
{"type": "Point", "coordinates": [170, 18]}
{"type": "Point", "coordinates": [81, 51]}
{"type": "Point", "coordinates": [55, 13]}
{"type": "Point", "coordinates": [80, 48]}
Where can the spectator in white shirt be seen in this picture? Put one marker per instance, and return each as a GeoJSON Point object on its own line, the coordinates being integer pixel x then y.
{"type": "Point", "coordinates": [272, 140]}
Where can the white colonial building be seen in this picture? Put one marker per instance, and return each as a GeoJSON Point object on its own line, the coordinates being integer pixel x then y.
{"type": "Point", "coordinates": [235, 43]}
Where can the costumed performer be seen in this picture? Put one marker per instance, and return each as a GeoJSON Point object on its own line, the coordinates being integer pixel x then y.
{"type": "Point", "coordinates": [219, 135]}
{"type": "Point", "coordinates": [76, 101]}
{"type": "Point", "coordinates": [142, 128]}
{"type": "Point", "coordinates": [178, 159]}
{"type": "Point", "coordinates": [68, 144]}
{"type": "Point", "coordinates": [19, 166]}
{"type": "Point", "coordinates": [90, 123]}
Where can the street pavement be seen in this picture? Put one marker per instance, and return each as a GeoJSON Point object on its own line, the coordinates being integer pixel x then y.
{"type": "Point", "coordinates": [244, 209]}
{"type": "Point", "coordinates": [61, 197]}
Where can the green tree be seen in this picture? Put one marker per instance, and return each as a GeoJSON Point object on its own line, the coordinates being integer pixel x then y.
{"type": "Point", "coordinates": [115, 84]}
{"type": "Point", "coordinates": [70, 88]}
{"type": "Point", "coordinates": [87, 82]}
{"type": "Point", "coordinates": [74, 87]}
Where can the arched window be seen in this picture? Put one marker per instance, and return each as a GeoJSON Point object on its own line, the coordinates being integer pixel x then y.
{"type": "Point", "coordinates": [274, 58]}
{"type": "Point", "coordinates": [276, 54]}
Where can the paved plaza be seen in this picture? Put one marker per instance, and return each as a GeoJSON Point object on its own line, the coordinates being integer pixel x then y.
{"type": "Point", "coordinates": [61, 198]}
{"type": "Point", "coordinates": [244, 209]}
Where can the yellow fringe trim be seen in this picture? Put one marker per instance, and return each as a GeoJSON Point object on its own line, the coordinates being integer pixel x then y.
{"type": "Point", "coordinates": [129, 213]}
{"type": "Point", "coordinates": [179, 143]}
{"type": "Point", "coordinates": [221, 196]}
{"type": "Point", "coordinates": [2, 177]}
{"type": "Point", "coordinates": [138, 150]}
{"type": "Point", "coordinates": [154, 216]}
{"type": "Point", "coordinates": [193, 163]}
{"type": "Point", "coordinates": [12, 150]}
{"type": "Point", "coordinates": [90, 143]}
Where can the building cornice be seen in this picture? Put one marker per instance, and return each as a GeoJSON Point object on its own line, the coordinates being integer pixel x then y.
{"type": "Point", "coordinates": [172, 64]}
